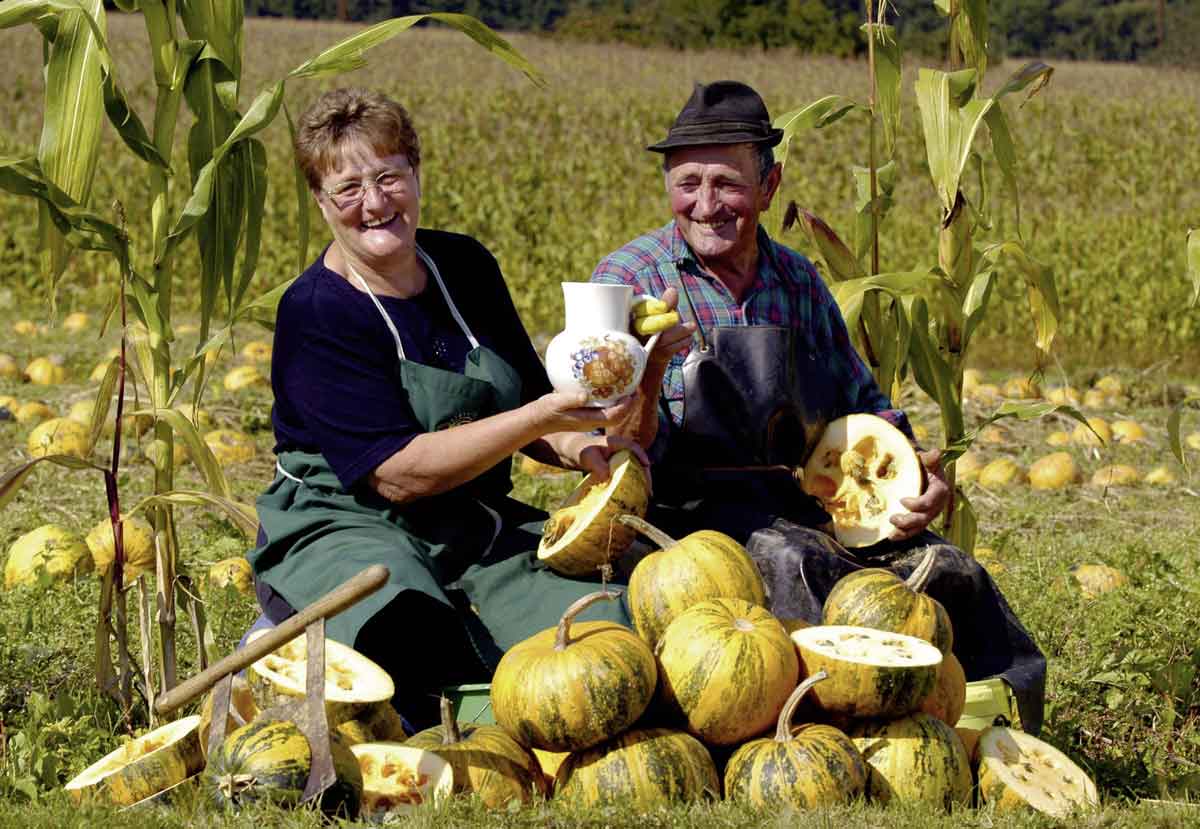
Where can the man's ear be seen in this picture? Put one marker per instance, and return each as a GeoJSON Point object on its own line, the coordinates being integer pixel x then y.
{"type": "Point", "coordinates": [771, 185]}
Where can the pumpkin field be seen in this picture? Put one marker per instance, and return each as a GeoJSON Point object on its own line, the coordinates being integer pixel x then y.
{"type": "Point", "coordinates": [1095, 548]}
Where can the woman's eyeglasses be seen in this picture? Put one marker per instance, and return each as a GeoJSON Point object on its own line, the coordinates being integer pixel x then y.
{"type": "Point", "coordinates": [349, 193]}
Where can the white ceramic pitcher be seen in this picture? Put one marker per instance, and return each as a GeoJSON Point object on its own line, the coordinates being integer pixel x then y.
{"type": "Point", "coordinates": [596, 353]}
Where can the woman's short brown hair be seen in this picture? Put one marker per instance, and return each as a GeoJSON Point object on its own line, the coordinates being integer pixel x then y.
{"type": "Point", "coordinates": [343, 115]}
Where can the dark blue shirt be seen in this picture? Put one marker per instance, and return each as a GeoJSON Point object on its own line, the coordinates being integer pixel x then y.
{"type": "Point", "coordinates": [334, 368]}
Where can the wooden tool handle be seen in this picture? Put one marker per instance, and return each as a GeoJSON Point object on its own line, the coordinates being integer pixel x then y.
{"type": "Point", "coordinates": [350, 592]}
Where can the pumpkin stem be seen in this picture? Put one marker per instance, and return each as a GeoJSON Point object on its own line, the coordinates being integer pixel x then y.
{"type": "Point", "coordinates": [563, 637]}
{"type": "Point", "coordinates": [649, 530]}
{"type": "Point", "coordinates": [916, 582]}
{"type": "Point", "coordinates": [451, 734]}
{"type": "Point", "coordinates": [783, 729]}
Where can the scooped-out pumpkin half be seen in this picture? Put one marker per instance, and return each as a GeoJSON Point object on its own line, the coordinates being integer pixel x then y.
{"type": "Point", "coordinates": [1018, 772]}
{"type": "Point", "coordinates": [860, 469]}
{"type": "Point", "coordinates": [583, 534]}
{"type": "Point", "coordinates": [142, 767]}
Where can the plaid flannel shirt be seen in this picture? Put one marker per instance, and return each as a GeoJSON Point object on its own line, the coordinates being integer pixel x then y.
{"type": "Point", "coordinates": [787, 291]}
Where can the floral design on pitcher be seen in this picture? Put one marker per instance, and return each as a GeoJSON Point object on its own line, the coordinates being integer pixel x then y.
{"type": "Point", "coordinates": [603, 365]}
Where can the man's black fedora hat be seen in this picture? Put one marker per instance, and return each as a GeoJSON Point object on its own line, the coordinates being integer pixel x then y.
{"type": "Point", "coordinates": [722, 112]}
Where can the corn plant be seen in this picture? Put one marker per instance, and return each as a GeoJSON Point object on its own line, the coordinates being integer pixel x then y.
{"type": "Point", "coordinates": [217, 201]}
{"type": "Point", "coordinates": [919, 321]}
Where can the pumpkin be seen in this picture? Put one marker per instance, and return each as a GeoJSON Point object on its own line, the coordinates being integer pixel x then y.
{"type": "Point", "coordinates": [583, 535]}
{"type": "Point", "coordinates": [703, 565]}
{"type": "Point", "coordinates": [877, 598]}
{"type": "Point", "coordinates": [379, 723]}
{"type": "Point", "coordinates": [76, 322]}
{"type": "Point", "coordinates": [860, 469]}
{"type": "Point", "coordinates": [352, 681]}
{"type": "Point", "coordinates": [1160, 476]}
{"type": "Point", "coordinates": [61, 553]}
{"type": "Point", "coordinates": [1096, 433]}
{"type": "Point", "coordinates": [806, 767]}
{"type": "Point", "coordinates": [230, 446]}
{"type": "Point", "coordinates": [914, 759]}
{"type": "Point", "coordinates": [727, 668]}
{"type": "Point", "coordinates": [60, 436]}
{"type": "Point", "coordinates": [44, 371]}
{"type": "Point", "coordinates": [1118, 474]}
{"type": "Point", "coordinates": [1022, 388]}
{"type": "Point", "coordinates": [1109, 384]}
{"type": "Point", "coordinates": [1017, 772]}
{"type": "Point", "coordinates": [1000, 473]}
{"type": "Point", "coordinates": [1097, 579]}
{"type": "Point", "coordinates": [137, 538]}
{"type": "Point", "coordinates": [1058, 438]}
{"type": "Point", "coordinates": [244, 377]}
{"type": "Point", "coordinates": [8, 367]}
{"type": "Point", "coordinates": [270, 760]}
{"type": "Point", "coordinates": [256, 351]}
{"type": "Point", "coordinates": [142, 767]}
{"type": "Point", "coordinates": [967, 466]}
{"type": "Point", "coordinates": [644, 768]}
{"type": "Point", "coordinates": [970, 740]}
{"type": "Point", "coordinates": [549, 762]}
{"type": "Point", "coordinates": [235, 572]}
{"type": "Point", "coordinates": [242, 710]}
{"type": "Point", "coordinates": [485, 760]}
{"type": "Point", "coordinates": [1054, 471]}
{"type": "Point", "coordinates": [1128, 431]}
{"type": "Point", "coordinates": [1063, 396]}
{"type": "Point", "coordinates": [33, 411]}
{"type": "Point", "coordinates": [949, 695]}
{"type": "Point", "coordinates": [398, 778]}
{"type": "Point", "coordinates": [576, 685]}
{"type": "Point", "coordinates": [872, 673]}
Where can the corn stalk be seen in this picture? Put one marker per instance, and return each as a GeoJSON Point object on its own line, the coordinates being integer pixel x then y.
{"type": "Point", "coordinates": [197, 52]}
{"type": "Point", "coordinates": [919, 321]}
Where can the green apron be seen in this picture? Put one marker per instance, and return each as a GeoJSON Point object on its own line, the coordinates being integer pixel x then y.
{"type": "Point", "coordinates": [472, 542]}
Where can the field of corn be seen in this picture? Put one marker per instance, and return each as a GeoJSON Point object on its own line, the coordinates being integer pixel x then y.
{"type": "Point", "coordinates": [551, 179]}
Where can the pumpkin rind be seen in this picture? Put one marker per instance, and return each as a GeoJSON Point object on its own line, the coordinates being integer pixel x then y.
{"type": "Point", "coordinates": [727, 668]}
{"type": "Point", "coordinates": [1019, 772]}
{"type": "Point", "coordinates": [242, 710]}
{"type": "Point", "coordinates": [878, 598]}
{"type": "Point", "coordinates": [871, 673]}
{"type": "Point", "coordinates": [264, 760]}
{"type": "Point", "coordinates": [914, 759]}
{"type": "Point", "coordinates": [805, 767]}
{"type": "Point", "coordinates": [642, 767]}
{"type": "Point", "coordinates": [948, 698]}
{"type": "Point", "coordinates": [703, 565]}
{"type": "Point", "coordinates": [573, 686]}
{"type": "Point", "coordinates": [142, 767]}
{"type": "Point", "coordinates": [583, 534]}
{"type": "Point", "coordinates": [485, 760]}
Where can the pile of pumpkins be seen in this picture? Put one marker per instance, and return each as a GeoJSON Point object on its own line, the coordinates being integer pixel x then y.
{"type": "Point", "coordinates": [799, 715]}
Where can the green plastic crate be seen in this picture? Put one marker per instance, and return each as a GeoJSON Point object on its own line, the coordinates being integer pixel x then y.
{"type": "Point", "coordinates": [987, 701]}
{"type": "Point", "coordinates": [471, 703]}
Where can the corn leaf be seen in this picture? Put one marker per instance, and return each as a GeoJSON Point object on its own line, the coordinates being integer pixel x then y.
{"type": "Point", "coordinates": [971, 33]}
{"type": "Point", "coordinates": [840, 263]}
{"type": "Point", "coordinates": [103, 402]}
{"type": "Point", "coordinates": [1039, 283]}
{"type": "Point", "coordinates": [129, 126]}
{"type": "Point", "coordinates": [71, 120]}
{"type": "Point", "coordinates": [348, 54]}
{"type": "Point", "coordinates": [949, 131]}
{"type": "Point", "coordinates": [1173, 429]}
{"type": "Point", "coordinates": [1020, 410]}
{"type": "Point", "coordinates": [887, 82]}
{"type": "Point", "coordinates": [219, 24]}
{"type": "Point", "coordinates": [243, 515]}
{"type": "Point", "coordinates": [975, 303]}
{"type": "Point", "coordinates": [302, 203]}
{"type": "Point", "coordinates": [11, 481]}
{"type": "Point", "coordinates": [964, 525]}
{"type": "Point", "coordinates": [1035, 73]}
{"type": "Point", "coordinates": [1193, 263]}
{"type": "Point", "coordinates": [885, 184]}
{"type": "Point", "coordinates": [198, 450]}
{"type": "Point", "coordinates": [1006, 156]}
{"type": "Point", "coordinates": [251, 162]}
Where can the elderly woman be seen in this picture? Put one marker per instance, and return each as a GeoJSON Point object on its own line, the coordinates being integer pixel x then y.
{"type": "Point", "coordinates": [404, 381]}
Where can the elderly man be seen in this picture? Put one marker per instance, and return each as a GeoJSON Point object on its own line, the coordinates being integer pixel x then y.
{"type": "Point", "coordinates": [736, 394]}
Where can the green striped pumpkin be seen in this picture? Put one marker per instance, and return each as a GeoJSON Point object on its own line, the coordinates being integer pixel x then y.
{"type": "Point", "coordinates": [878, 598]}
{"type": "Point", "coordinates": [576, 685]}
{"type": "Point", "coordinates": [914, 759]}
{"type": "Point", "coordinates": [727, 667]}
{"type": "Point", "coordinates": [270, 760]}
{"type": "Point", "coordinates": [642, 767]}
{"type": "Point", "coordinates": [485, 760]}
{"type": "Point", "coordinates": [142, 767]}
{"type": "Point", "coordinates": [871, 673]}
{"type": "Point", "coordinates": [703, 565]}
{"type": "Point", "coordinates": [805, 767]}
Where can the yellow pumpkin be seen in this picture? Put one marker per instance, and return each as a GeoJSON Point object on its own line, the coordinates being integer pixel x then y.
{"type": "Point", "coordinates": [60, 436]}
{"type": "Point", "coordinates": [44, 371]}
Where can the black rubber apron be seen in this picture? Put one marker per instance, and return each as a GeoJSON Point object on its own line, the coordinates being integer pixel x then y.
{"type": "Point", "coordinates": [756, 399]}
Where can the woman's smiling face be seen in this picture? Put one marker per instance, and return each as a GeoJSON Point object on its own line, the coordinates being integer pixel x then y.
{"type": "Point", "coordinates": [383, 225]}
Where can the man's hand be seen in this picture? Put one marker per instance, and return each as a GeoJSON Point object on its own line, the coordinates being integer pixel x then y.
{"type": "Point", "coordinates": [931, 503]}
{"type": "Point", "coordinates": [670, 342]}
{"type": "Point", "coordinates": [594, 456]}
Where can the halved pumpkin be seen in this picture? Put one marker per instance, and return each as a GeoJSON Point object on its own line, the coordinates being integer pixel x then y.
{"type": "Point", "coordinates": [859, 470]}
{"type": "Point", "coordinates": [398, 778]}
{"type": "Point", "coordinates": [352, 681]}
{"type": "Point", "coordinates": [872, 673]}
{"type": "Point", "coordinates": [1018, 771]}
{"type": "Point", "coordinates": [142, 767]}
{"type": "Point", "coordinates": [584, 534]}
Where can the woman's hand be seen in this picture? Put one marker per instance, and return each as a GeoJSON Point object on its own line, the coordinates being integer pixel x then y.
{"type": "Point", "coordinates": [931, 503]}
{"type": "Point", "coordinates": [567, 412]}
